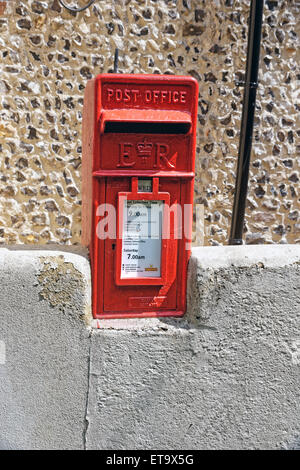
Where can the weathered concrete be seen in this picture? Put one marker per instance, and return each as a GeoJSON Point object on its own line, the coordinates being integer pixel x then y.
{"type": "Point", "coordinates": [226, 376]}
{"type": "Point", "coordinates": [44, 302]}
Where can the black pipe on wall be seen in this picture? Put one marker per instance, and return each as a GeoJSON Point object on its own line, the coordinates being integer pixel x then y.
{"type": "Point", "coordinates": [242, 175]}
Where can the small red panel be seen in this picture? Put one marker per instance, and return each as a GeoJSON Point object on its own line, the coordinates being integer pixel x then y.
{"type": "Point", "coordinates": [139, 157]}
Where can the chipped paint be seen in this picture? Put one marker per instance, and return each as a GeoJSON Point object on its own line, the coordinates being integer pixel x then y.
{"type": "Point", "coordinates": [59, 283]}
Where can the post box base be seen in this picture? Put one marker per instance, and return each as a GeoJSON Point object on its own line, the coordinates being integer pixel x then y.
{"type": "Point", "coordinates": [110, 316]}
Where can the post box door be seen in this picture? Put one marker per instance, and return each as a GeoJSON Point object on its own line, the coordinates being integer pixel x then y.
{"type": "Point", "coordinates": [138, 126]}
{"type": "Point", "coordinates": [146, 297]}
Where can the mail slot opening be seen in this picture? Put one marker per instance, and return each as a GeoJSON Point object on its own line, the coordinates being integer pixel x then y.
{"type": "Point", "coordinates": [147, 127]}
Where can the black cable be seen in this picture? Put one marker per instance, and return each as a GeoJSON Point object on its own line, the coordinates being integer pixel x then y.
{"type": "Point", "coordinates": [248, 112]}
{"type": "Point", "coordinates": [76, 10]}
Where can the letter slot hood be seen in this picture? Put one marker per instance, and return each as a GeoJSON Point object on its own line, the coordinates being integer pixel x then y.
{"type": "Point", "coordinates": [145, 121]}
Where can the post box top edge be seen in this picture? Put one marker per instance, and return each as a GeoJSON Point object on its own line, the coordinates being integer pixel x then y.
{"type": "Point", "coordinates": [154, 78]}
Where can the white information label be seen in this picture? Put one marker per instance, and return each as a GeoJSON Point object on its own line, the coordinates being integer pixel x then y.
{"type": "Point", "coordinates": [141, 241]}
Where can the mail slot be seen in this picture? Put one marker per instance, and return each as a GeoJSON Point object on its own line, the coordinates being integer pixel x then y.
{"type": "Point", "coordinates": [139, 135]}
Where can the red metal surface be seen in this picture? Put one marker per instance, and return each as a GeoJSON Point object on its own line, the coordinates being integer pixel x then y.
{"type": "Point", "coordinates": [130, 122]}
{"type": "Point", "coordinates": [161, 174]}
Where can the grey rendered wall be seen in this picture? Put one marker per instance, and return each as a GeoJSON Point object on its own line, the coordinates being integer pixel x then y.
{"type": "Point", "coordinates": [44, 299]}
{"type": "Point", "coordinates": [226, 376]}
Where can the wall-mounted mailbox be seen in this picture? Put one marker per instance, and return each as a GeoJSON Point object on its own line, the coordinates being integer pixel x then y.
{"type": "Point", "coordinates": [139, 134]}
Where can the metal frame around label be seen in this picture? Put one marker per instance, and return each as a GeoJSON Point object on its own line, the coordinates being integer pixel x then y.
{"type": "Point", "coordinates": [138, 196]}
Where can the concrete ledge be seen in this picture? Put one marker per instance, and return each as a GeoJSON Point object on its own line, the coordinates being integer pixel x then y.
{"type": "Point", "coordinates": [226, 376]}
{"type": "Point", "coordinates": [258, 279]}
{"type": "Point", "coordinates": [44, 308]}
{"type": "Point", "coordinates": [268, 256]}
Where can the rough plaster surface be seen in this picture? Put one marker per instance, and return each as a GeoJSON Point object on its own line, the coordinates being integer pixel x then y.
{"type": "Point", "coordinates": [47, 56]}
{"type": "Point", "coordinates": [226, 376]}
{"type": "Point", "coordinates": [44, 377]}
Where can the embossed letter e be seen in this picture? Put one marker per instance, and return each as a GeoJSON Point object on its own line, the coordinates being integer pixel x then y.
{"type": "Point", "coordinates": [124, 155]}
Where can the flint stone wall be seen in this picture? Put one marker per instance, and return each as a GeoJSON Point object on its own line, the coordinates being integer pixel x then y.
{"type": "Point", "coordinates": [47, 56]}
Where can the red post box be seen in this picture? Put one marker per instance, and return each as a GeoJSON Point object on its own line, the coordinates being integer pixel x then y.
{"type": "Point", "coordinates": [139, 135]}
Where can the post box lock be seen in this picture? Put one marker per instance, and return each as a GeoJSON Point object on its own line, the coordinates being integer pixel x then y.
{"type": "Point", "coordinates": [139, 134]}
